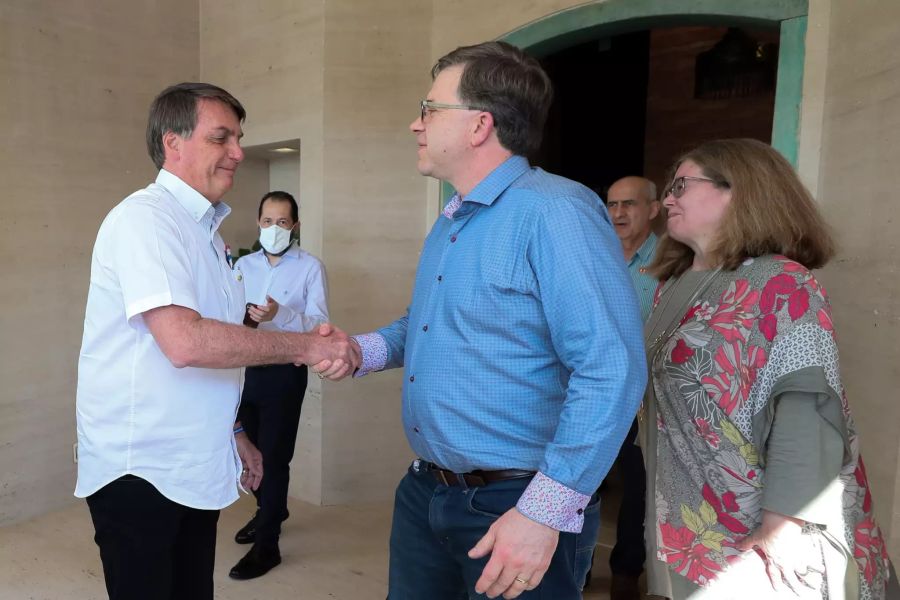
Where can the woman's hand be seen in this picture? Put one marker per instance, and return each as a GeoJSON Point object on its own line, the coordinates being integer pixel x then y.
{"type": "Point", "coordinates": [786, 553]}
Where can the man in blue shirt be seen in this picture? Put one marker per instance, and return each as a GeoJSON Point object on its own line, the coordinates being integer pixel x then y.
{"type": "Point", "coordinates": [632, 204]}
{"type": "Point", "coordinates": [522, 350]}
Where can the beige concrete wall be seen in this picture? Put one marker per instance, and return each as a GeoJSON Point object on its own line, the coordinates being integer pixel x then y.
{"type": "Point", "coordinates": [377, 57]}
{"type": "Point", "coordinates": [472, 21]}
{"type": "Point", "coordinates": [857, 188]}
{"type": "Point", "coordinates": [77, 80]}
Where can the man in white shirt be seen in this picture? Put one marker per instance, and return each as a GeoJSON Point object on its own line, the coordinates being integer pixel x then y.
{"type": "Point", "coordinates": [159, 370]}
{"type": "Point", "coordinates": [287, 291]}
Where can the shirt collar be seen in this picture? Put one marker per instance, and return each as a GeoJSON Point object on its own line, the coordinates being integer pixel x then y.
{"type": "Point", "coordinates": [198, 207]}
{"type": "Point", "coordinates": [293, 251]}
{"type": "Point", "coordinates": [491, 187]}
{"type": "Point", "coordinates": [647, 248]}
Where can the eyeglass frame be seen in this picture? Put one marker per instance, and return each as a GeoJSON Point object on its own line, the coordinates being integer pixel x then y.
{"type": "Point", "coordinates": [684, 178]}
{"type": "Point", "coordinates": [426, 105]}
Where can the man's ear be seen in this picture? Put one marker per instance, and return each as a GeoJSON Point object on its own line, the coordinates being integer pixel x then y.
{"type": "Point", "coordinates": [654, 209]}
{"type": "Point", "coordinates": [171, 144]}
{"type": "Point", "coordinates": [482, 128]}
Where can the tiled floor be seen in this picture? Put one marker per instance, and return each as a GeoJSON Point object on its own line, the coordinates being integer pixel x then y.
{"type": "Point", "coordinates": [330, 553]}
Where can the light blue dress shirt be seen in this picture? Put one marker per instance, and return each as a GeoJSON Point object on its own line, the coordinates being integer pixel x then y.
{"type": "Point", "coordinates": [522, 347]}
{"type": "Point", "coordinates": [297, 283]}
{"type": "Point", "coordinates": [644, 283]}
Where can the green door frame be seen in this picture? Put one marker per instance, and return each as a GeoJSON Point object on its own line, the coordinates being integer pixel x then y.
{"type": "Point", "coordinates": [605, 18]}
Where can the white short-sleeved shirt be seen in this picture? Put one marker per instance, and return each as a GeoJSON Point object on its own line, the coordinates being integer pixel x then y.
{"type": "Point", "coordinates": [136, 413]}
{"type": "Point", "coordinates": [297, 283]}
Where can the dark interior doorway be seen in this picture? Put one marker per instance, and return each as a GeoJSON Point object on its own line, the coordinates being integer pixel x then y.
{"type": "Point", "coordinates": [629, 104]}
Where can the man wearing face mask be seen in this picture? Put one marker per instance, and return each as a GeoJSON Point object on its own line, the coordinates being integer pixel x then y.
{"type": "Point", "coordinates": [286, 290]}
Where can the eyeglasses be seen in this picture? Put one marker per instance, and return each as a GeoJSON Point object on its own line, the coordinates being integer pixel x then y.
{"type": "Point", "coordinates": [678, 186]}
{"type": "Point", "coordinates": [428, 105]}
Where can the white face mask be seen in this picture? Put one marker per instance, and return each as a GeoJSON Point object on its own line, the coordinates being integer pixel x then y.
{"type": "Point", "coordinates": [274, 239]}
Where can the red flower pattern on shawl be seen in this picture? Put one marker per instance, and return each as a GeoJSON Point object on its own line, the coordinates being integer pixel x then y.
{"type": "Point", "coordinates": [681, 353]}
{"type": "Point", "coordinates": [782, 289]}
{"type": "Point", "coordinates": [687, 555]}
{"type": "Point", "coordinates": [825, 321]}
{"type": "Point", "coordinates": [869, 550]}
{"type": "Point", "coordinates": [705, 430]}
{"type": "Point", "coordinates": [730, 386]}
{"type": "Point", "coordinates": [863, 481]}
{"type": "Point", "coordinates": [735, 315]}
{"type": "Point", "coordinates": [728, 503]}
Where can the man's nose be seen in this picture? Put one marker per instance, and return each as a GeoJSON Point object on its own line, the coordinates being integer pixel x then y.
{"type": "Point", "coordinates": [237, 153]}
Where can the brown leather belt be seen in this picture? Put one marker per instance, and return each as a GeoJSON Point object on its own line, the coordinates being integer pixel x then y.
{"type": "Point", "coordinates": [475, 478]}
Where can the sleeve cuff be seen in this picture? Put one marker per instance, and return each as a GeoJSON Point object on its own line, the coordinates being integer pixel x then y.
{"type": "Point", "coordinates": [374, 353]}
{"type": "Point", "coordinates": [552, 504]}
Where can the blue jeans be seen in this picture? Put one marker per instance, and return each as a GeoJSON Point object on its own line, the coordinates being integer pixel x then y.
{"type": "Point", "coordinates": [435, 526]}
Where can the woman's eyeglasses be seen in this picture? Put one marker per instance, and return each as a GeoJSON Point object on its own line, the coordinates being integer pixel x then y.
{"type": "Point", "coordinates": [680, 184]}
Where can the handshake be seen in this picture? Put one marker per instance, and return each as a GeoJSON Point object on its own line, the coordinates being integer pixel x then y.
{"type": "Point", "coordinates": [332, 353]}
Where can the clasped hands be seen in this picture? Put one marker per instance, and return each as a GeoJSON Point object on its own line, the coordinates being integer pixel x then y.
{"type": "Point", "coordinates": [338, 354]}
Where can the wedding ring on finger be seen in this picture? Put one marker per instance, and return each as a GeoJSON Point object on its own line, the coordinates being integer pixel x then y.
{"type": "Point", "coordinates": [522, 581]}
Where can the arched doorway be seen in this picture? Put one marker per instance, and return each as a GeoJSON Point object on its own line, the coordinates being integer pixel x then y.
{"type": "Point", "coordinates": [605, 18]}
{"type": "Point", "coordinates": [611, 17]}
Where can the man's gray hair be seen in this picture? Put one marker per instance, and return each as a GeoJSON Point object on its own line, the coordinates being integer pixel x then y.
{"type": "Point", "coordinates": [651, 190]}
{"type": "Point", "coordinates": [175, 110]}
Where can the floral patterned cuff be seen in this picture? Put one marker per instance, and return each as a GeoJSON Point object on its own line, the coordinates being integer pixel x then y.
{"type": "Point", "coordinates": [374, 353]}
{"type": "Point", "coordinates": [553, 504]}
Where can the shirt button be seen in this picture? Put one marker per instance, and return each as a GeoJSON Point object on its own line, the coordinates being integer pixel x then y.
{"type": "Point", "coordinates": [425, 328]}
{"type": "Point", "coordinates": [416, 429]}
{"type": "Point", "coordinates": [440, 277]}
{"type": "Point", "coordinates": [580, 511]}
{"type": "Point", "coordinates": [453, 239]}
{"type": "Point", "coordinates": [412, 378]}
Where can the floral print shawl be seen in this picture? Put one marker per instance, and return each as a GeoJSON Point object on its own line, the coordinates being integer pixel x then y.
{"type": "Point", "coordinates": [712, 379]}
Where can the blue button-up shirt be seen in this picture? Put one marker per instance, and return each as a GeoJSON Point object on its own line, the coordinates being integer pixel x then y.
{"type": "Point", "coordinates": [644, 282]}
{"type": "Point", "coordinates": [522, 346]}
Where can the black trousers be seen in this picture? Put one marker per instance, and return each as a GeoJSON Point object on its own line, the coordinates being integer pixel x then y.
{"type": "Point", "coordinates": [270, 414]}
{"type": "Point", "coordinates": [152, 548]}
{"type": "Point", "coordinates": [627, 557]}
